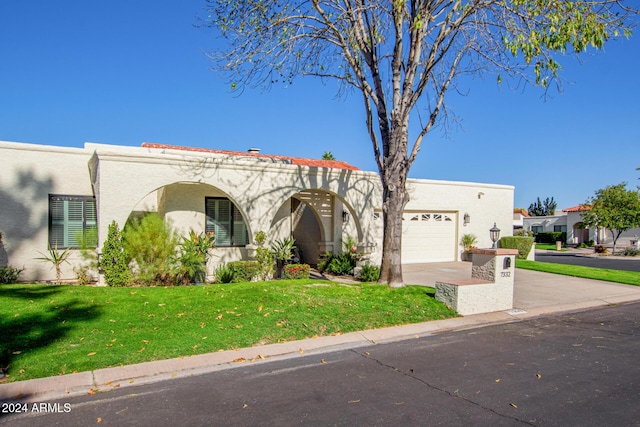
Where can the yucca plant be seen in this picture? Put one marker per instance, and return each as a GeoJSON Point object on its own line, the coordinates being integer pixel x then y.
{"type": "Point", "coordinates": [56, 258]}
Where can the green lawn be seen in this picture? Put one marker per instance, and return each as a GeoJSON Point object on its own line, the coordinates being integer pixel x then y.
{"type": "Point", "coordinates": [619, 276]}
{"type": "Point", "coordinates": [52, 330]}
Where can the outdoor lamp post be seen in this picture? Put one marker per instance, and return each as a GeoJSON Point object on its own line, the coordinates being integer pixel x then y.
{"type": "Point", "coordinates": [494, 233]}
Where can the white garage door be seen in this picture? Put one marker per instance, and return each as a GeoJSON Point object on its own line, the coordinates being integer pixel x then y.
{"type": "Point", "coordinates": [429, 237]}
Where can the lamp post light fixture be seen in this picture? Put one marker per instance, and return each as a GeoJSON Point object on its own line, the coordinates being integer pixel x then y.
{"type": "Point", "coordinates": [345, 216]}
{"type": "Point", "coordinates": [466, 219]}
{"type": "Point", "coordinates": [494, 234]}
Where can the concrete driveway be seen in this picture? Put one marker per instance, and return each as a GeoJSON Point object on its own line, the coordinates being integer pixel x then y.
{"type": "Point", "coordinates": [533, 290]}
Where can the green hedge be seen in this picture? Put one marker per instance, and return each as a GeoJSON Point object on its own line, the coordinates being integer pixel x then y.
{"type": "Point", "coordinates": [244, 271]}
{"type": "Point", "coordinates": [551, 237]}
{"type": "Point", "coordinates": [296, 271]}
{"type": "Point", "coordinates": [521, 243]}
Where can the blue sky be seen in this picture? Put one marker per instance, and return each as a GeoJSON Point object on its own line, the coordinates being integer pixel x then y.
{"type": "Point", "coordinates": [126, 72]}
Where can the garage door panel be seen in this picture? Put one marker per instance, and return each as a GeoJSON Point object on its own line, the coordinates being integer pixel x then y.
{"type": "Point", "coordinates": [428, 237]}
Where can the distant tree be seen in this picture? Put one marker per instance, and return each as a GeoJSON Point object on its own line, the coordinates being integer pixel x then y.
{"type": "Point", "coordinates": [403, 57]}
{"type": "Point", "coordinates": [613, 208]}
{"type": "Point", "coordinates": [545, 208]}
{"type": "Point", "coordinates": [328, 156]}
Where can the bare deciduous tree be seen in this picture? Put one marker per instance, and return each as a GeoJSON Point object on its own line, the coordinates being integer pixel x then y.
{"type": "Point", "coordinates": [403, 56]}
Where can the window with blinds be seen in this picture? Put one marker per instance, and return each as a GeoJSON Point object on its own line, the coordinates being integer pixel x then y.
{"type": "Point", "coordinates": [72, 222]}
{"type": "Point", "coordinates": [225, 220]}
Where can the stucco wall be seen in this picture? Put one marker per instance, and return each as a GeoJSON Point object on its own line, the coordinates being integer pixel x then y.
{"type": "Point", "coordinates": [127, 180]}
{"type": "Point", "coordinates": [29, 173]}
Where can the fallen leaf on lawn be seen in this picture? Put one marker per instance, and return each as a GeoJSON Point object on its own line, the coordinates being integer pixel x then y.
{"type": "Point", "coordinates": [132, 293]}
{"type": "Point", "coordinates": [240, 359]}
{"type": "Point", "coordinates": [354, 401]}
{"type": "Point", "coordinates": [238, 326]}
{"type": "Point", "coordinates": [51, 302]}
{"type": "Point", "coordinates": [195, 346]}
{"type": "Point", "coordinates": [151, 315]}
{"type": "Point", "coordinates": [513, 405]}
{"type": "Point", "coordinates": [91, 391]}
{"type": "Point", "coordinates": [112, 321]}
{"type": "Point", "coordinates": [201, 325]}
{"type": "Point", "coordinates": [16, 352]}
{"type": "Point", "coordinates": [259, 309]}
{"type": "Point", "coordinates": [21, 371]}
{"type": "Point", "coordinates": [141, 350]}
{"type": "Point", "coordinates": [161, 305]}
{"type": "Point", "coordinates": [266, 315]}
{"type": "Point", "coordinates": [145, 341]}
{"type": "Point", "coordinates": [219, 316]}
{"type": "Point", "coordinates": [91, 354]}
{"type": "Point", "coordinates": [16, 315]}
{"type": "Point", "coordinates": [180, 314]}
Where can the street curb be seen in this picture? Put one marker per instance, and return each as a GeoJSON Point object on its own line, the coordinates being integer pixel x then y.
{"type": "Point", "coordinates": [100, 380]}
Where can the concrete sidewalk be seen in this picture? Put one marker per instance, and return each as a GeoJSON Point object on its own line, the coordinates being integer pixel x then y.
{"type": "Point", "coordinates": [535, 294]}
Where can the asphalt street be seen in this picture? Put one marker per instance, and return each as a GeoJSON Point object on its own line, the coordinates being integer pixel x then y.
{"type": "Point", "coordinates": [577, 369]}
{"type": "Point", "coordinates": [631, 264]}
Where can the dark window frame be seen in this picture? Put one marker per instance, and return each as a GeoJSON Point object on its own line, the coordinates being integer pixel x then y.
{"type": "Point", "coordinates": [233, 211]}
{"type": "Point", "coordinates": [52, 241]}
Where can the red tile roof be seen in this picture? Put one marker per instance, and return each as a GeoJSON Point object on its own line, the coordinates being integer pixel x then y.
{"type": "Point", "coordinates": [579, 208]}
{"type": "Point", "coordinates": [335, 164]}
{"type": "Point", "coordinates": [521, 211]}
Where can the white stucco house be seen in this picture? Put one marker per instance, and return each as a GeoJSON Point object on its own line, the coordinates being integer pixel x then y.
{"type": "Point", "coordinates": [569, 220]}
{"type": "Point", "coordinates": [49, 193]}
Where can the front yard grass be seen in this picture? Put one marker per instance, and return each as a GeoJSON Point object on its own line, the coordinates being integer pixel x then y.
{"type": "Point", "coordinates": [550, 247]}
{"type": "Point", "coordinates": [53, 330]}
{"type": "Point", "coordinates": [618, 276]}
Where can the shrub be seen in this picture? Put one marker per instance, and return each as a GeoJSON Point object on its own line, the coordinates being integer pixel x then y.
{"type": "Point", "coordinates": [523, 232]}
{"type": "Point", "coordinates": [9, 275]}
{"type": "Point", "coordinates": [152, 245]}
{"type": "Point", "coordinates": [341, 264]}
{"type": "Point", "coordinates": [600, 249]}
{"type": "Point", "coordinates": [522, 244]}
{"type": "Point", "coordinates": [244, 271]}
{"type": "Point", "coordinates": [113, 261]}
{"type": "Point", "coordinates": [370, 273]}
{"type": "Point", "coordinates": [551, 237]}
{"type": "Point", "coordinates": [223, 274]}
{"type": "Point", "coordinates": [264, 257]}
{"type": "Point", "coordinates": [83, 276]}
{"type": "Point", "coordinates": [194, 252]}
{"type": "Point", "coordinates": [296, 271]}
{"type": "Point", "coordinates": [631, 251]}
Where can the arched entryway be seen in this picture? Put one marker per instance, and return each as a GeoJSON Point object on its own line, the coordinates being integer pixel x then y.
{"type": "Point", "coordinates": [318, 220]}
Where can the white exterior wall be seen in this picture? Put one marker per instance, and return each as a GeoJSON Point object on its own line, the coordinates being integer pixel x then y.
{"type": "Point", "coordinates": [486, 204]}
{"type": "Point", "coordinates": [127, 180]}
{"type": "Point", "coordinates": [29, 173]}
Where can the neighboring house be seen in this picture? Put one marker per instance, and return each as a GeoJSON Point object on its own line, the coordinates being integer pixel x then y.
{"type": "Point", "coordinates": [518, 218]}
{"type": "Point", "coordinates": [49, 194]}
{"type": "Point", "coordinates": [570, 221]}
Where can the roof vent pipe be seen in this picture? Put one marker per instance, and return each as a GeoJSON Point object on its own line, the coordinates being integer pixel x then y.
{"type": "Point", "coordinates": [253, 150]}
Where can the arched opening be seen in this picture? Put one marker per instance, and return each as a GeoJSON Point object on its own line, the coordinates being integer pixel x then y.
{"type": "Point", "coordinates": [318, 220]}
{"type": "Point", "coordinates": [202, 208]}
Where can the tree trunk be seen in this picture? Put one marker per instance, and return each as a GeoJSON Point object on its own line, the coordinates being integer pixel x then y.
{"type": "Point", "coordinates": [394, 199]}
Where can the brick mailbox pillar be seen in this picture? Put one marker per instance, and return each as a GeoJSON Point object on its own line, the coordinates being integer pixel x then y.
{"type": "Point", "coordinates": [490, 287]}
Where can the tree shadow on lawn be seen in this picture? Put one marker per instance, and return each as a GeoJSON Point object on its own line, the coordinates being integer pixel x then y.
{"type": "Point", "coordinates": [23, 333]}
